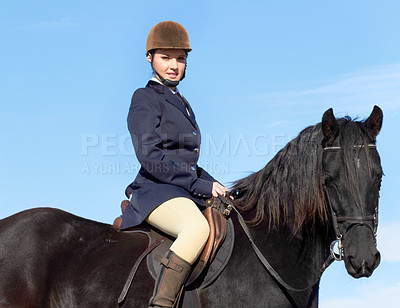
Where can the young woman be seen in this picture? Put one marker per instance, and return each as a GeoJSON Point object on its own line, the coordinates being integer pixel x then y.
{"type": "Point", "coordinates": [169, 186]}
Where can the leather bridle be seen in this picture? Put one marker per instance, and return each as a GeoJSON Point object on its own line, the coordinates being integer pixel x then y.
{"type": "Point", "coordinates": [333, 256]}
{"type": "Point", "coordinates": [353, 220]}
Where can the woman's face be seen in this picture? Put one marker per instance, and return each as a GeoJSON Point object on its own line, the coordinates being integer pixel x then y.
{"type": "Point", "coordinates": [169, 63]}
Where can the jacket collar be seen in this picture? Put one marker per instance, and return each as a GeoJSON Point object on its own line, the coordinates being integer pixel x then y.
{"type": "Point", "coordinates": [172, 98]}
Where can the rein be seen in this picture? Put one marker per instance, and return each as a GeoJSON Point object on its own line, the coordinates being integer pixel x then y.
{"type": "Point", "coordinates": [264, 261]}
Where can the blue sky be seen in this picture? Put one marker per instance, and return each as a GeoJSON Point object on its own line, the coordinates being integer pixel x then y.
{"type": "Point", "coordinates": [260, 72]}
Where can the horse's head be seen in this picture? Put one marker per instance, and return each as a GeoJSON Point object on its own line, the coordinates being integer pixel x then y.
{"type": "Point", "coordinates": [352, 176]}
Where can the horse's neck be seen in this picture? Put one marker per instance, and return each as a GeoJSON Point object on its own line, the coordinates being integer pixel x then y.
{"type": "Point", "coordinates": [297, 248]}
{"type": "Point", "coordinates": [297, 259]}
{"type": "Point", "coordinates": [298, 264]}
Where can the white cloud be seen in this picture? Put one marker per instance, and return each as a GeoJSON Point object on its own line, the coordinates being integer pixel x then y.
{"type": "Point", "coordinates": [372, 295]}
{"type": "Point", "coordinates": [389, 242]}
{"type": "Point", "coordinates": [58, 23]}
{"type": "Point", "coordinates": [355, 92]}
{"type": "Point", "coordinates": [279, 123]}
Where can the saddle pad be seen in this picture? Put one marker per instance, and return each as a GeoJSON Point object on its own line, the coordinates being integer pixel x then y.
{"type": "Point", "coordinates": [215, 268]}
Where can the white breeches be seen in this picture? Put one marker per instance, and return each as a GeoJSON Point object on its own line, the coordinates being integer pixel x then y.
{"type": "Point", "coordinates": [181, 218]}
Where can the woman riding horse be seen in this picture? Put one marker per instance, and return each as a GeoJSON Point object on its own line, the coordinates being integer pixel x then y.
{"type": "Point", "coordinates": [170, 185]}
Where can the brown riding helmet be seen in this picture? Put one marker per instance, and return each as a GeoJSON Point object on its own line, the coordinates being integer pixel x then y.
{"type": "Point", "coordinates": [168, 35]}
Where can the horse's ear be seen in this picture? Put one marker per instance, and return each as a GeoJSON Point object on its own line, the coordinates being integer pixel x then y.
{"type": "Point", "coordinates": [374, 122]}
{"type": "Point", "coordinates": [330, 127]}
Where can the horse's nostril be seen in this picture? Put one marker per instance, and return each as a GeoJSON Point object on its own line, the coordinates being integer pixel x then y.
{"type": "Point", "coordinates": [377, 259]}
{"type": "Point", "coordinates": [351, 262]}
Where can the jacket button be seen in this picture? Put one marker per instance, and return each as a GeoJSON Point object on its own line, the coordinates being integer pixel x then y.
{"type": "Point", "coordinates": [196, 150]}
{"type": "Point", "coordinates": [193, 168]}
{"type": "Point", "coordinates": [194, 133]}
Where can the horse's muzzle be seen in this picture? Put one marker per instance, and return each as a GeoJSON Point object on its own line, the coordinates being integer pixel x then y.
{"type": "Point", "coordinates": [360, 254]}
{"type": "Point", "coordinates": [363, 269]}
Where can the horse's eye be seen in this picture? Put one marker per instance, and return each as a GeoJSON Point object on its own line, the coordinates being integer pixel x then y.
{"type": "Point", "coordinates": [379, 180]}
{"type": "Point", "coordinates": [328, 180]}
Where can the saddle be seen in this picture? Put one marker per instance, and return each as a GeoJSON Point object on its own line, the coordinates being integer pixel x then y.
{"type": "Point", "coordinates": [216, 215]}
{"type": "Point", "coordinates": [212, 260]}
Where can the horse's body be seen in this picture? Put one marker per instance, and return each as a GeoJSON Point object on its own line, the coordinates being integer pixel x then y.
{"type": "Point", "coordinates": [50, 258]}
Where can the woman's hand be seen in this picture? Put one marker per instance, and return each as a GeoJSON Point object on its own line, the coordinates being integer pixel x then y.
{"type": "Point", "coordinates": [217, 188]}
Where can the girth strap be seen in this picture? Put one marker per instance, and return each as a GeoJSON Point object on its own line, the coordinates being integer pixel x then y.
{"type": "Point", "coordinates": [135, 267]}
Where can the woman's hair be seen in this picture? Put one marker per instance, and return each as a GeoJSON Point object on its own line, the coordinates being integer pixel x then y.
{"type": "Point", "coordinates": [153, 51]}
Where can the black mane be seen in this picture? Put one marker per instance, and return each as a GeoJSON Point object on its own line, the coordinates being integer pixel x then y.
{"type": "Point", "coordinates": [288, 190]}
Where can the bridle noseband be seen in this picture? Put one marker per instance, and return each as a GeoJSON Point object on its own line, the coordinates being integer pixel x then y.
{"type": "Point", "coordinates": [354, 221]}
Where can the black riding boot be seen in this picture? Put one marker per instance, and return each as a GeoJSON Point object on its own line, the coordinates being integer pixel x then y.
{"type": "Point", "coordinates": [170, 280]}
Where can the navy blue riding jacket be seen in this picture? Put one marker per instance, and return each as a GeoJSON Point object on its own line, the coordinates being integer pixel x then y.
{"type": "Point", "coordinates": [167, 144]}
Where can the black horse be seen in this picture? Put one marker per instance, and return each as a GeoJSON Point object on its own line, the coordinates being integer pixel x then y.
{"type": "Point", "coordinates": [321, 187]}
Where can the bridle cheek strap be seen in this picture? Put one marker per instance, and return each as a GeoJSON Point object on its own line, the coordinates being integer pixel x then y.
{"type": "Point", "coordinates": [354, 222]}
